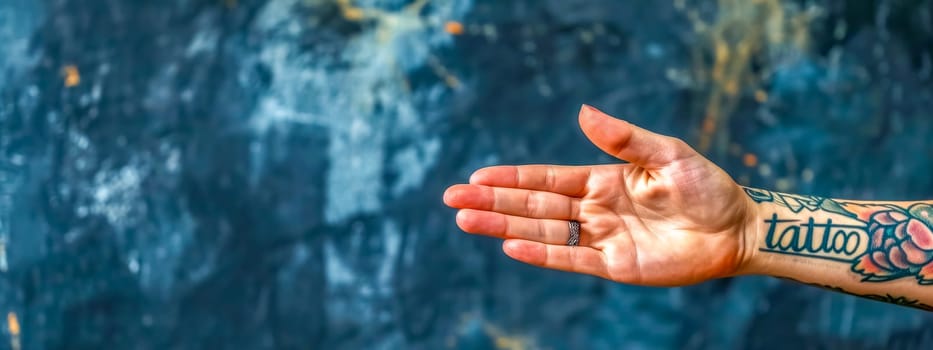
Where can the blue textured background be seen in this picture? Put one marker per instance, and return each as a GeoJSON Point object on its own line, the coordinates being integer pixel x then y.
{"type": "Point", "coordinates": [267, 174]}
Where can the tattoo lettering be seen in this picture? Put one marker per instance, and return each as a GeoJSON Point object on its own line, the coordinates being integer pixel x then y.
{"type": "Point", "coordinates": [882, 242]}
{"type": "Point", "coordinates": [825, 240]}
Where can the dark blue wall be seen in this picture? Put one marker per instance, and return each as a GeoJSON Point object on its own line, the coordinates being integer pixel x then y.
{"type": "Point", "coordinates": [267, 174]}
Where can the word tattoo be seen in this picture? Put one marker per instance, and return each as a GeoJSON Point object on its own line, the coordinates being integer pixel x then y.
{"type": "Point", "coordinates": [882, 242]}
{"type": "Point", "coordinates": [826, 240]}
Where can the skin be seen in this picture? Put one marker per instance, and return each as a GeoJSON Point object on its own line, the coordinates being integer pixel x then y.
{"type": "Point", "coordinates": [670, 217]}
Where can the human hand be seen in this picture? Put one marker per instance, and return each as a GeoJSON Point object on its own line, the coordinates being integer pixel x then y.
{"type": "Point", "coordinates": [668, 217]}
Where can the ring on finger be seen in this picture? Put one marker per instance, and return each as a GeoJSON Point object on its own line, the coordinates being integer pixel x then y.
{"type": "Point", "coordinates": [574, 238]}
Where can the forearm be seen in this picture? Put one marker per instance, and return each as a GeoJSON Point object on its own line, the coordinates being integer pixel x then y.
{"type": "Point", "coordinates": [879, 250]}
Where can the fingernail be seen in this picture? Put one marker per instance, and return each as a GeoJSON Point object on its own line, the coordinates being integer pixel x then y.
{"type": "Point", "coordinates": [587, 107]}
{"type": "Point", "coordinates": [474, 178]}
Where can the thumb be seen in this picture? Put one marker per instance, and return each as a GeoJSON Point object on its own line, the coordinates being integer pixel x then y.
{"type": "Point", "coordinates": [630, 143]}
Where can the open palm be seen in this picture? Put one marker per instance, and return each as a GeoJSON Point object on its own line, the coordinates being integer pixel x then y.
{"type": "Point", "coordinates": [668, 217]}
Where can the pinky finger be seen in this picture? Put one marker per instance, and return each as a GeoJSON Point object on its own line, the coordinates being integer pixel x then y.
{"type": "Point", "coordinates": [578, 259]}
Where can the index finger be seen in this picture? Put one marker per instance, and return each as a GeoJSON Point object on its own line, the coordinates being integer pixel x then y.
{"type": "Point", "coordinates": [565, 180]}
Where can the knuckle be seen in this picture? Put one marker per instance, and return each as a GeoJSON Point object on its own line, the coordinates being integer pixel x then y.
{"type": "Point", "coordinates": [518, 176]}
{"type": "Point", "coordinates": [550, 179]}
{"type": "Point", "coordinates": [541, 230]}
{"type": "Point", "coordinates": [535, 205]}
{"type": "Point", "coordinates": [529, 205]}
{"type": "Point", "coordinates": [507, 228]}
{"type": "Point", "coordinates": [622, 142]}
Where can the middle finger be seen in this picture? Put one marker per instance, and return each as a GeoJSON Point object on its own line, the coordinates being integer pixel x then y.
{"type": "Point", "coordinates": [513, 201]}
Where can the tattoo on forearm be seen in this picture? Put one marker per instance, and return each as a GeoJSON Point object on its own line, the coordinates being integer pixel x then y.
{"type": "Point", "coordinates": [887, 298]}
{"type": "Point", "coordinates": [796, 202]}
{"type": "Point", "coordinates": [882, 242]}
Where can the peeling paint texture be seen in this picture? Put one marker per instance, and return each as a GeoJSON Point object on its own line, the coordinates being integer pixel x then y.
{"type": "Point", "coordinates": [267, 174]}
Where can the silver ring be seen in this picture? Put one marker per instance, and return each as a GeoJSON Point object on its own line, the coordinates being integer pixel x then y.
{"type": "Point", "coordinates": [574, 233]}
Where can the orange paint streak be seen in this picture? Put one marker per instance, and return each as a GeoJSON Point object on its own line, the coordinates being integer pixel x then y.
{"type": "Point", "coordinates": [72, 76]}
{"type": "Point", "coordinates": [454, 28]}
{"type": "Point", "coordinates": [750, 160]}
{"type": "Point", "coordinates": [12, 323]}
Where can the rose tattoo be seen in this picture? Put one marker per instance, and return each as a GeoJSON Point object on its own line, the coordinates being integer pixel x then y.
{"type": "Point", "coordinates": [901, 245]}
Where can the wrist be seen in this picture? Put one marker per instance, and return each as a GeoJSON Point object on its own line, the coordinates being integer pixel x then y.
{"type": "Point", "coordinates": [750, 231]}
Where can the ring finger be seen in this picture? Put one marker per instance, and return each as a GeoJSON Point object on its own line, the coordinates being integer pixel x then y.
{"type": "Point", "coordinates": [504, 226]}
